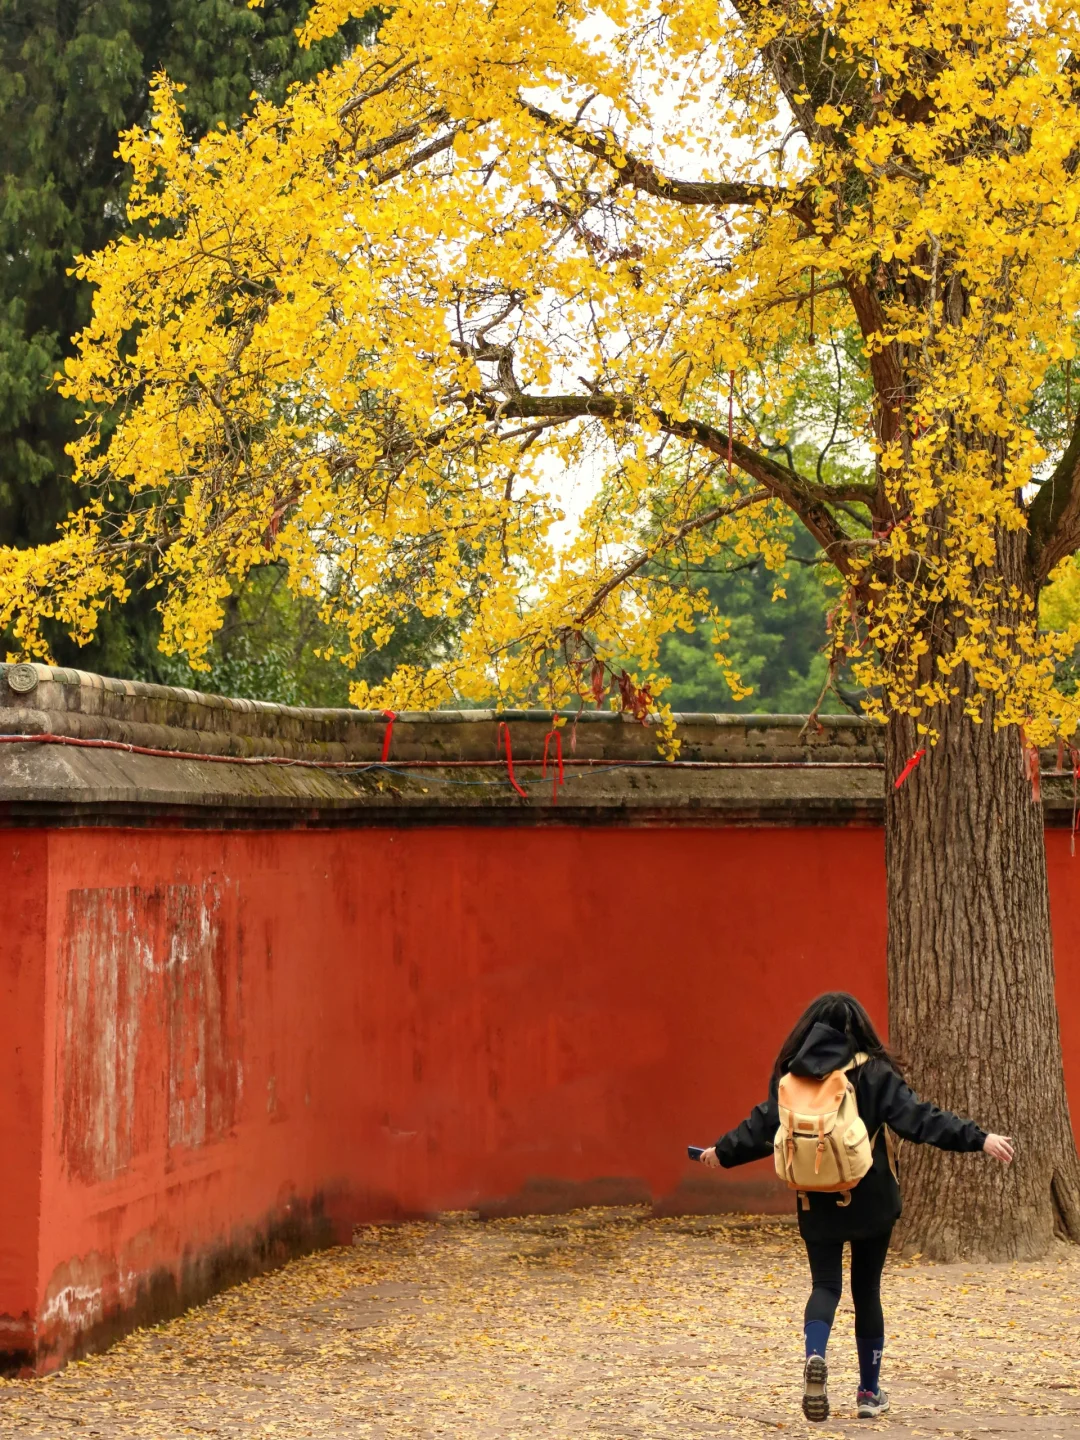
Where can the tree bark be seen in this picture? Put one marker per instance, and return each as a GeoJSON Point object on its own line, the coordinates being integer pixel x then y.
{"type": "Point", "coordinates": [972, 1008]}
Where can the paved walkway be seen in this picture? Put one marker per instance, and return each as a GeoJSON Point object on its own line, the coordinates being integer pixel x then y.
{"type": "Point", "coordinates": [603, 1325]}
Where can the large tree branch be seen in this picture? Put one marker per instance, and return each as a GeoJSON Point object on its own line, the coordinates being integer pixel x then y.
{"type": "Point", "coordinates": [809, 77]}
{"type": "Point", "coordinates": [430, 121]}
{"type": "Point", "coordinates": [644, 176]}
{"type": "Point", "coordinates": [386, 83]}
{"type": "Point", "coordinates": [426, 152]}
{"type": "Point", "coordinates": [885, 368]}
{"type": "Point", "coordinates": [809, 502]}
{"type": "Point", "coordinates": [1054, 516]}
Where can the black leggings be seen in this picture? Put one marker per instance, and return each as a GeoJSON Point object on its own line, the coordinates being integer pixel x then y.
{"type": "Point", "coordinates": [826, 1268]}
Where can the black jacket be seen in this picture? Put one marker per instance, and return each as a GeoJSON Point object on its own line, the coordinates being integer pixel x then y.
{"type": "Point", "coordinates": [883, 1099]}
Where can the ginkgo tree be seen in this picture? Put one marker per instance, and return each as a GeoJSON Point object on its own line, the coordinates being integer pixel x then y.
{"type": "Point", "coordinates": [373, 331]}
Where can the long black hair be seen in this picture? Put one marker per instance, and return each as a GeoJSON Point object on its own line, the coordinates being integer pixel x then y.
{"type": "Point", "coordinates": [844, 1013]}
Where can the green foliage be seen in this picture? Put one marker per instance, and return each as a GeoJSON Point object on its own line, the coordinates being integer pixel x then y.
{"type": "Point", "coordinates": [266, 650]}
{"type": "Point", "coordinates": [73, 73]}
{"type": "Point", "coordinates": [777, 641]}
{"type": "Point", "coordinates": [775, 645]}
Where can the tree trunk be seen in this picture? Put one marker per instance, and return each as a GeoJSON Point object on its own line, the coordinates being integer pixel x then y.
{"type": "Point", "coordinates": [972, 1009]}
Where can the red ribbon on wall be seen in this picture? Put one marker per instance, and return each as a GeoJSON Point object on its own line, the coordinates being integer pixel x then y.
{"type": "Point", "coordinates": [504, 735]}
{"type": "Point", "coordinates": [391, 716]}
{"type": "Point", "coordinates": [557, 765]}
{"type": "Point", "coordinates": [909, 767]}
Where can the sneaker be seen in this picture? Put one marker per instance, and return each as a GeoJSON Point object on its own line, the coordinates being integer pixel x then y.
{"type": "Point", "coordinates": [871, 1405]}
{"type": "Point", "coordinates": [815, 1395]}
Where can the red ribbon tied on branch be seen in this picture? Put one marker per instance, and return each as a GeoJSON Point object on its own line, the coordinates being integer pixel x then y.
{"type": "Point", "coordinates": [1035, 774]}
{"type": "Point", "coordinates": [909, 767]}
{"type": "Point", "coordinates": [557, 765]}
{"type": "Point", "coordinates": [1033, 766]}
{"type": "Point", "coordinates": [388, 735]}
{"type": "Point", "coordinates": [504, 735]}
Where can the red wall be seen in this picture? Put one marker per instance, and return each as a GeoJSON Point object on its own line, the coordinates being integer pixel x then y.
{"type": "Point", "coordinates": [1064, 870]}
{"type": "Point", "coordinates": [256, 1039]}
{"type": "Point", "coordinates": [23, 860]}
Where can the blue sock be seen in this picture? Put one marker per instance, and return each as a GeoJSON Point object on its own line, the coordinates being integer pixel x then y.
{"type": "Point", "coordinates": [817, 1337]}
{"type": "Point", "coordinates": [869, 1362]}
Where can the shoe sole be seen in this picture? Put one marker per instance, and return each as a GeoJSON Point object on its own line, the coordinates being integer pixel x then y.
{"type": "Point", "coordinates": [815, 1400]}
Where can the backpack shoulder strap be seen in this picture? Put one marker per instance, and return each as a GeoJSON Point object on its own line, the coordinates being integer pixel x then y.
{"type": "Point", "coordinates": [892, 1147]}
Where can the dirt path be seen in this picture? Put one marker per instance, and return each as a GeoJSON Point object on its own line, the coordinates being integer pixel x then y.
{"type": "Point", "coordinates": [602, 1325]}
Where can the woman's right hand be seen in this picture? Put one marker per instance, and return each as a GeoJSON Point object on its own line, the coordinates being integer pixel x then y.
{"type": "Point", "coordinates": [708, 1157]}
{"type": "Point", "coordinates": [1000, 1147]}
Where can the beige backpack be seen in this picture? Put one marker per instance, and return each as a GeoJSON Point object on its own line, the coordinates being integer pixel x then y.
{"type": "Point", "coordinates": [822, 1143]}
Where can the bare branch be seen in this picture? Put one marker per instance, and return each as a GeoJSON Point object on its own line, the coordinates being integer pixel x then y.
{"type": "Point", "coordinates": [641, 175]}
{"type": "Point", "coordinates": [801, 297]}
{"type": "Point", "coordinates": [357, 100]}
{"type": "Point", "coordinates": [403, 135]}
{"type": "Point", "coordinates": [809, 502]}
{"type": "Point", "coordinates": [836, 415]}
{"type": "Point", "coordinates": [426, 152]}
{"type": "Point", "coordinates": [669, 538]}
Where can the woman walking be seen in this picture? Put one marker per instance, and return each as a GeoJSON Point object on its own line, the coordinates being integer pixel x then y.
{"type": "Point", "coordinates": [835, 1040]}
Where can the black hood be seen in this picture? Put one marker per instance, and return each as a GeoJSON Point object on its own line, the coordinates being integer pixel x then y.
{"type": "Point", "coordinates": [823, 1050]}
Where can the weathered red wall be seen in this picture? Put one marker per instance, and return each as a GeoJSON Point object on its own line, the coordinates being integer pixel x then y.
{"type": "Point", "coordinates": [23, 862]}
{"type": "Point", "coordinates": [252, 1040]}
{"type": "Point", "coordinates": [1064, 871]}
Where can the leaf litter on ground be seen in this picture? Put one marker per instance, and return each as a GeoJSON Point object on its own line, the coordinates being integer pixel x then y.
{"type": "Point", "coordinates": [605, 1324]}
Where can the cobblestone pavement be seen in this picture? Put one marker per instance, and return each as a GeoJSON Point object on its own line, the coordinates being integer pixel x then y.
{"type": "Point", "coordinates": [602, 1325]}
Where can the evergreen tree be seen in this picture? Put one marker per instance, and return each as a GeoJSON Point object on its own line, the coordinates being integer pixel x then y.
{"type": "Point", "coordinates": [777, 645]}
{"type": "Point", "coordinates": [73, 74]}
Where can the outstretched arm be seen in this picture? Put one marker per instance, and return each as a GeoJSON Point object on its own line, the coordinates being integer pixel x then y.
{"type": "Point", "coordinates": [924, 1124]}
{"type": "Point", "coordinates": [752, 1140]}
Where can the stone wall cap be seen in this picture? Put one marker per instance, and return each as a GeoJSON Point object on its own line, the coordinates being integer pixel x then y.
{"type": "Point", "coordinates": [41, 699]}
{"type": "Point", "coordinates": [13, 678]}
{"type": "Point", "coordinates": [97, 747]}
{"type": "Point", "coordinates": [78, 748]}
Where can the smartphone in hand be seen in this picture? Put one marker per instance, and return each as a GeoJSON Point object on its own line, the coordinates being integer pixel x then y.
{"type": "Point", "coordinates": [696, 1151]}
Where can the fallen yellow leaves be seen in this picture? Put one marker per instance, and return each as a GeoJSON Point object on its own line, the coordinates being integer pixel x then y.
{"type": "Point", "coordinates": [601, 1325]}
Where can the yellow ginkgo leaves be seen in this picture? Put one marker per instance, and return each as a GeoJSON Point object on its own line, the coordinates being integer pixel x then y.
{"type": "Point", "coordinates": [373, 335]}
